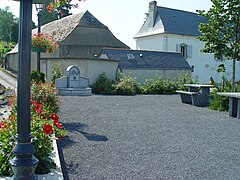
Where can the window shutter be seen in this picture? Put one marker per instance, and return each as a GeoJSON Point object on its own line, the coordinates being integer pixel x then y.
{"type": "Point", "coordinates": [189, 51]}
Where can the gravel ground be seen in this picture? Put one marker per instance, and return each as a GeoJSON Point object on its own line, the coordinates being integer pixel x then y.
{"type": "Point", "coordinates": [147, 137]}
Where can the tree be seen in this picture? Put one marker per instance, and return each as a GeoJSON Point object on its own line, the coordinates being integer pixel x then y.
{"type": "Point", "coordinates": [14, 31]}
{"type": "Point", "coordinates": [7, 21]}
{"type": "Point", "coordinates": [221, 33]}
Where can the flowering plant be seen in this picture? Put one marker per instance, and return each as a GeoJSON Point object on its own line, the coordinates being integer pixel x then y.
{"type": "Point", "coordinates": [44, 41]}
{"type": "Point", "coordinates": [61, 5]}
{"type": "Point", "coordinates": [45, 127]}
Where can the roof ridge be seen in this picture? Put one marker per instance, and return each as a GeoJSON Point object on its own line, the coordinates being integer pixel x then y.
{"type": "Point", "coordinates": [185, 11]}
{"type": "Point", "coordinates": [138, 50]}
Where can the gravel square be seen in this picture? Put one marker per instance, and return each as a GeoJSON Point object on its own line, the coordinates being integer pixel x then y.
{"type": "Point", "coordinates": [146, 137]}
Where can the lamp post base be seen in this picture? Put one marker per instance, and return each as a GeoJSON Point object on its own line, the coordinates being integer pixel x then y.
{"type": "Point", "coordinates": [24, 168]}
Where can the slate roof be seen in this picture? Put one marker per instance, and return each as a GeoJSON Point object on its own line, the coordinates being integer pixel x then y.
{"type": "Point", "coordinates": [146, 59]}
{"type": "Point", "coordinates": [173, 21]}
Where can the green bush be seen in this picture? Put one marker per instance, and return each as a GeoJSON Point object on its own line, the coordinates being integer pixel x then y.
{"type": "Point", "coordinates": [217, 102]}
{"type": "Point", "coordinates": [221, 103]}
{"type": "Point", "coordinates": [56, 72]}
{"type": "Point", "coordinates": [125, 86]}
{"type": "Point", "coordinates": [185, 79]}
{"type": "Point", "coordinates": [160, 86]}
{"type": "Point", "coordinates": [37, 77]}
{"type": "Point", "coordinates": [44, 93]}
{"type": "Point", "coordinates": [103, 85]}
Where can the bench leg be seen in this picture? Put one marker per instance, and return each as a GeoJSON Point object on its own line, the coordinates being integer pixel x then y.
{"type": "Point", "coordinates": [186, 98]}
{"type": "Point", "coordinates": [233, 107]}
{"type": "Point", "coordinates": [200, 100]}
{"type": "Point", "coordinates": [238, 109]}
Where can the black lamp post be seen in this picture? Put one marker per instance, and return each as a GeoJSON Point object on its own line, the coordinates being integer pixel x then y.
{"type": "Point", "coordinates": [39, 8]}
{"type": "Point", "coordinates": [24, 163]}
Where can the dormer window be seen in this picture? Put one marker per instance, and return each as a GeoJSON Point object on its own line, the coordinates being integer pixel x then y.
{"type": "Point", "coordinates": [130, 56]}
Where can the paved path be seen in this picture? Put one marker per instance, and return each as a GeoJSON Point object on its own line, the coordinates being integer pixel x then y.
{"type": "Point", "coordinates": [147, 137]}
{"type": "Point", "coordinates": [7, 81]}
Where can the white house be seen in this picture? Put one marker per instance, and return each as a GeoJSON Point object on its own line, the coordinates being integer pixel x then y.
{"type": "Point", "coordinates": [174, 30]}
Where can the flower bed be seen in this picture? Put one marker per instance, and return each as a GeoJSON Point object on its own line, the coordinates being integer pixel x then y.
{"type": "Point", "coordinates": [45, 127]}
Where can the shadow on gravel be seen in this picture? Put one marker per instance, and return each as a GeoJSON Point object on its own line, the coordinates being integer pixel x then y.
{"type": "Point", "coordinates": [71, 127]}
{"type": "Point", "coordinates": [94, 137]}
{"type": "Point", "coordinates": [79, 127]}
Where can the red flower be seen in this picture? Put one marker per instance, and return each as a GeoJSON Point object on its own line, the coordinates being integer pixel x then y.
{"type": "Point", "coordinates": [32, 102]}
{"type": "Point", "coordinates": [38, 107]}
{"type": "Point", "coordinates": [47, 129]}
{"type": "Point", "coordinates": [3, 125]}
{"type": "Point", "coordinates": [57, 124]}
{"type": "Point", "coordinates": [54, 117]}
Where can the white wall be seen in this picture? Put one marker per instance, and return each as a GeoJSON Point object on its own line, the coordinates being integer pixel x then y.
{"type": "Point", "coordinates": [89, 68]}
{"type": "Point", "coordinates": [142, 74]}
{"type": "Point", "coordinates": [204, 64]}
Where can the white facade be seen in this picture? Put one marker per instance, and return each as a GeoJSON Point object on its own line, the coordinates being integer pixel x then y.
{"type": "Point", "coordinates": [204, 64]}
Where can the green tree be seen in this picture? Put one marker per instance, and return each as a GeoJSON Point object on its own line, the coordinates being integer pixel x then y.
{"type": "Point", "coordinates": [7, 21]}
{"type": "Point", "coordinates": [14, 31]}
{"type": "Point", "coordinates": [221, 33]}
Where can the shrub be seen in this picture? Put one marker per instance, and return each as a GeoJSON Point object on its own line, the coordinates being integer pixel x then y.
{"type": "Point", "coordinates": [56, 72]}
{"type": "Point", "coordinates": [38, 77]}
{"type": "Point", "coordinates": [160, 86]}
{"type": "Point", "coordinates": [125, 86]}
{"type": "Point", "coordinates": [103, 85]}
{"type": "Point", "coordinates": [44, 93]}
{"type": "Point", "coordinates": [44, 124]}
{"type": "Point", "coordinates": [185, 79]}
{"type": "Point", "coordinates": [217, 102]}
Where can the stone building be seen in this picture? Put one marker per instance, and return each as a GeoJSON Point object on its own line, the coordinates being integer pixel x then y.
{"type": "Point", "coordinates": [80, 38]}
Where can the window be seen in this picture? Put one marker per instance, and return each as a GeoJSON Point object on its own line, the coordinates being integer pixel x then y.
{"type": "Point", "coordinates": [185, 50]}
{"type": "Point", "coordinates": [130, 56]}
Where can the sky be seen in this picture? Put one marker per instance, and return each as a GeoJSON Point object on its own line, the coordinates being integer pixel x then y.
{"type": "Point", "coordinates": [124, 18]}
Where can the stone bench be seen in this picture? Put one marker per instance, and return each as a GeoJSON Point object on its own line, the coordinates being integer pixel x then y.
{"type": "Point", "coordinates": [194, 98]}
{"type": "Point", "coordinates": [197, 94]}
{"type": "Point", "coordinates": [234, 103]}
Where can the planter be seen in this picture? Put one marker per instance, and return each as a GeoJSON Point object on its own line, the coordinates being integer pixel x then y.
{"type": "Point", "coordinates": [38, 49]}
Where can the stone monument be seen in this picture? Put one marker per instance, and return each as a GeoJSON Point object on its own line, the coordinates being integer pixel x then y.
{"type": "Point", "coordinates": [73, 84]}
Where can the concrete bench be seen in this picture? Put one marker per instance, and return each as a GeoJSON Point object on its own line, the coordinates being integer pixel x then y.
{"type": "Point", "coordinates": [197, 94]}
{"type": "Point", "coordinates": [188, 97]}
{"type": "Point", "coordinates": [234, 103]}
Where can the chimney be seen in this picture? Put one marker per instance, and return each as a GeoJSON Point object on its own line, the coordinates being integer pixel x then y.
{"type": "Point", "coordinates": [152, 13]}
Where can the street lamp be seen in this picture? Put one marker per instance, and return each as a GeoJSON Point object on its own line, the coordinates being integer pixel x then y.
{"type": "Point", "coordinates": [39, 8]}
{"type": "Point", "coordinates": [24, 163]}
